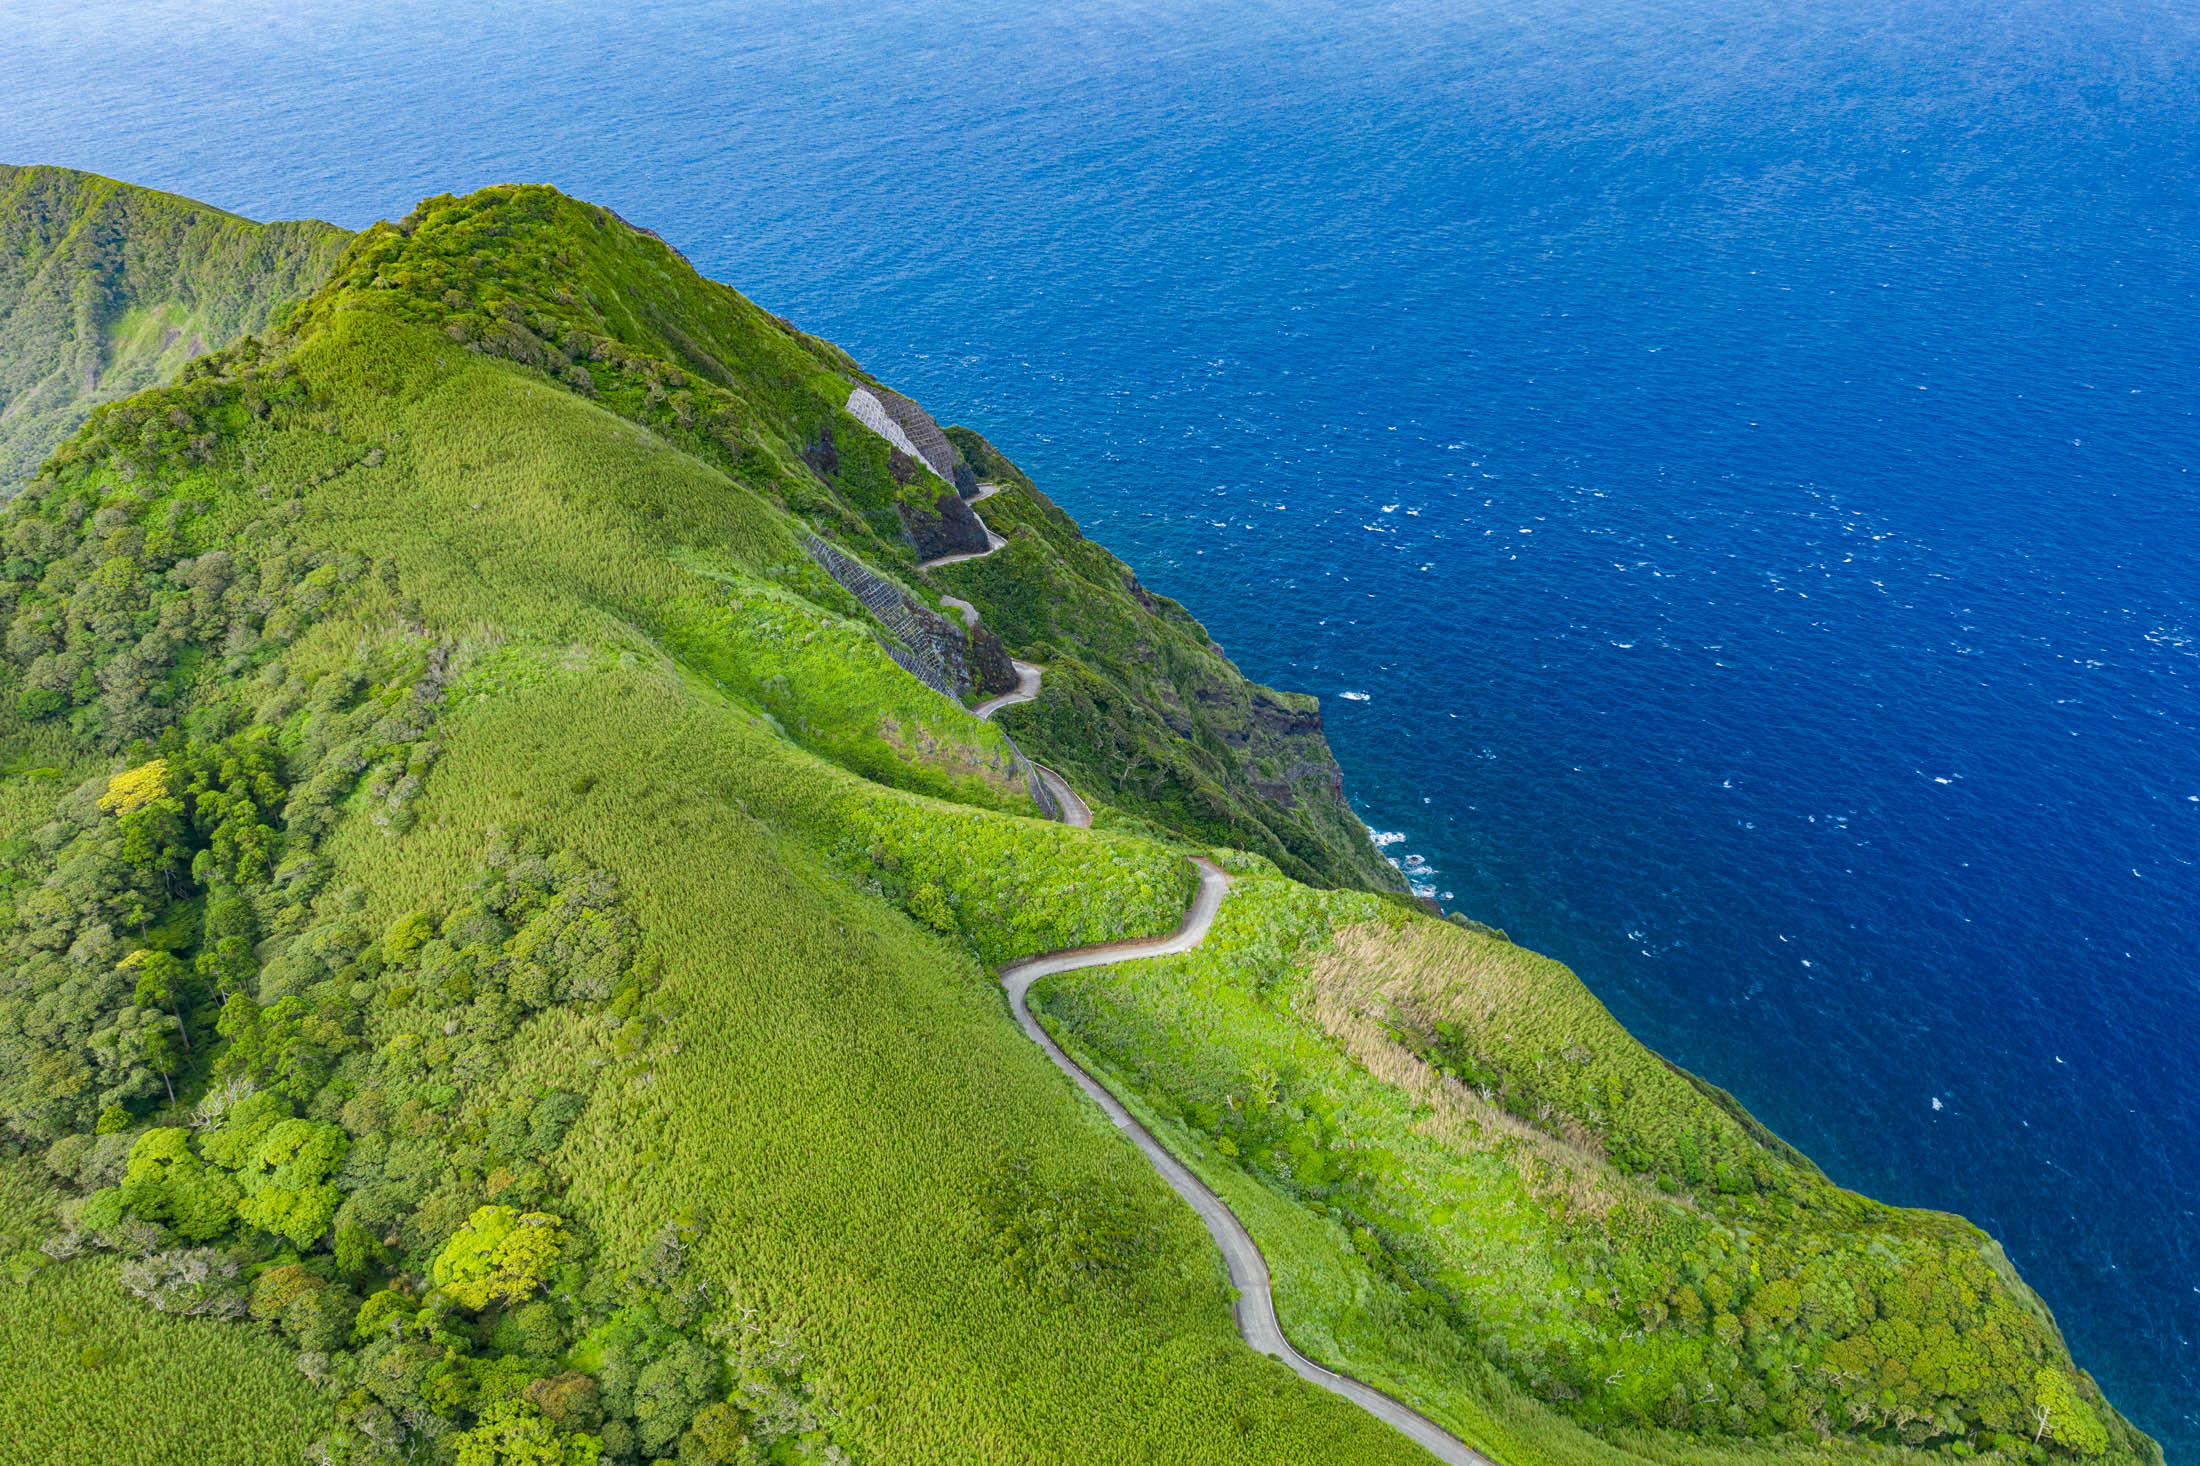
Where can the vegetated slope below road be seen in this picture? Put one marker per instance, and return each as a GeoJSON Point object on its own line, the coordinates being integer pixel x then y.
{"type": "Point", "coordinates": [1140, 702]}
{"type": "Point", "coordinates": [534, 878]}
{"type": "Point", "coordinates": [1481, 1194]}
{"type": "Point", "coordinates": [1255, 1307]}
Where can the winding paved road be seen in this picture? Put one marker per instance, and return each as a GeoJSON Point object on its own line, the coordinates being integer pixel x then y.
{"type": "Point", "coordinates": [1256, 1303]}
{"type": "Point", "coordinates": [1027, 688]}
{"type": "Point", "coordinates": [969, 612]}
{"type": "Point", "coordinates": [1074, 809]}
{"type": "Point", "coordinates": [1255, 1308]}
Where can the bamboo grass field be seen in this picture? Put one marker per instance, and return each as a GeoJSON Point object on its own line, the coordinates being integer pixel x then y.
{"type": "Point", "coordinates": [107, 1368]}
{"type": "Point", "coordinates": [823, 1082]}
{"type": "Point", "coordinates": [500, 968]}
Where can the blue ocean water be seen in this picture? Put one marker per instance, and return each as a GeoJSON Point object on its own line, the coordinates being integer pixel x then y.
{"type": "Point", "coordinates": [1727, 467]}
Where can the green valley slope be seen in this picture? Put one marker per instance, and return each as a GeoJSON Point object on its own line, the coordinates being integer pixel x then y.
{"type": "Point", "coordinates": [106, 288]}
{"type": "Point", "coordinates": [492, 920]}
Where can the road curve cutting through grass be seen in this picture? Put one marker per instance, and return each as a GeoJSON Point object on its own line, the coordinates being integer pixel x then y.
{"type": "Point", "coordinates": [1255, 1308]}
{"type": "Point", "coordinates": [1074, 809]}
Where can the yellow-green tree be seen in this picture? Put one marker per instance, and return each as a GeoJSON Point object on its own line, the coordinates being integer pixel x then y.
{"type": "Point", "coordinates": [501, 1255]}
{"type": "Point", "coordinates": [286, 1179]}
{"type": "Point", "coordinates": [132, 789]}
{"type": "Point", "coordinates": [513, 1433]}
{"type": "Point", "coordinates": [2064, 1416]}
{"type": "Point", "coordinates": [167, 1183]}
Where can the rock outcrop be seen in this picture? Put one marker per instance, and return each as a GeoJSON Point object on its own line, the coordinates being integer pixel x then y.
{"type": "Point", "coordinates": [956, 530]}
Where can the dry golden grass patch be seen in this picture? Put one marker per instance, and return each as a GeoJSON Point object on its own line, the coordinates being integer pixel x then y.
{"type": "Point", "coordinates": [1372, 979]}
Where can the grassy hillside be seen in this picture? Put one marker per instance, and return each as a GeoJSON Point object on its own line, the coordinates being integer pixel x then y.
{"type": "Point", "coordinates": [402, 833]}
{"type": "Point", "coordinates": [484, 918]}
{"type": "Point", "coordinates": [88, 1373]}
{"type": "Point", "coordinates": [1482, 1194]}
{"type": "Point", "coordinates": [106, 288]}
{"type": "Point", "coordinates": [1140, 705]}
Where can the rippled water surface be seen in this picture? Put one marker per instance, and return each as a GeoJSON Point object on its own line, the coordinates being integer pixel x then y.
{"type": "Point", "coordinates": [1727, 467]}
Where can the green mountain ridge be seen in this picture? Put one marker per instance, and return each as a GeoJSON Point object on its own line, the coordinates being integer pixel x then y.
{"type": "Point", "coordinates": [106, 288]}
{"type": "Point", "coordinates": [499, 957]}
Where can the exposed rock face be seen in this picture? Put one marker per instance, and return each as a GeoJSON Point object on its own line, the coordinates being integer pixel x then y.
{"type": "Point", "coordinates": [988, 662]}
{"type": "Point", "coordinates": [967, 527]}
{"type": "Point", "coordinates": [1271, 715]}
{"type": "Point", "coordinates": [1269, 735]}
{"type": "Point", "coordinates": [824, 454]}
{"type": "Point", "coordinates": [956, 531]}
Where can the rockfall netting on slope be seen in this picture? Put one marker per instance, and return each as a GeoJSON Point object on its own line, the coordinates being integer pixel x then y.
{"type": "Point", "coordinates": [926, 645]}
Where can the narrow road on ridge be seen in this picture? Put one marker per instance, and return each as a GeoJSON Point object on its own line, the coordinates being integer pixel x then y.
{"type": "Point", "coordinates": [1027, 689]}
{"type": "Point", "coordinates": [1255, 1308]}
{"type": "Point", "coordinates": [1256, 1304]}
{"type": "Point", "coordinates": [1074, 809]}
